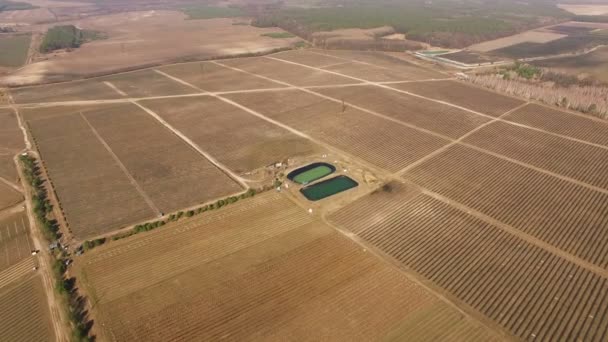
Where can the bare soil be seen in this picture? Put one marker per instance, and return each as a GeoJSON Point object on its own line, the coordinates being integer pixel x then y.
{"type": "Point", "coordinates": [139, 39]}
{"type": "Point", "coordinates": [285, 273]}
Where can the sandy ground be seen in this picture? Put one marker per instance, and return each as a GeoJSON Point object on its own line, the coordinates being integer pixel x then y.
{"type": "Point", "coordinates": [585, 9]}
{"type": "Point", "coordinates": [138, 39]}
{"type": "Point", "coordinates": [525, 37]}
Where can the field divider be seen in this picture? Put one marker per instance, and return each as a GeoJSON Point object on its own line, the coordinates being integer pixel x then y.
{"type": "Point", "coordinates": [452, 141]}
{"type": "Point", "coordinates": [124, 169]}
{"type": "Point", "coordinates": [385, 86]}
{"type": "Point", "coordinates": [240, 180]}
{"type": "Point", "coordinates": [115, 88]}
{"type": "Point", "coordinates": [513, 231]}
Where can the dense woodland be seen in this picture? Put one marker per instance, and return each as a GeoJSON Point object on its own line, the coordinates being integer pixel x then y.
{"type": "Point", "coordinates": [441, 23]}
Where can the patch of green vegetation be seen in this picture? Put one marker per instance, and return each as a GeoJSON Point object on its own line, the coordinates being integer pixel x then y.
{"type": "Point", "coordinates": [313, 174]}
{"type": "Point", "coordinates": [7, 5]}
{"type": "Point", "coordinates": [67, 37]}
{"type": "Point", "coordinates": [211, 12]}
{"type": "Point", "coordinates": [278, 35]}
{"type": "Point", "coordinates": [14, 50]}
{"type": "Point", "coordinates": [526, 71]}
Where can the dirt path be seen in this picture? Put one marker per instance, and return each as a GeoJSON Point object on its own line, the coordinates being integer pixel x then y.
{"type": "Point", "coordinates": [58, 319]}
{"type": "Point", "coordinates": [202, 93]}
{"type": "Point", "coordinates": [242, 181]}
{"type": "Point", "coordinates": [124, 169]}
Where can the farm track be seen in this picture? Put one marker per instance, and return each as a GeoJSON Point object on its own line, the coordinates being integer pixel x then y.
{"type": "Point", "coordinates": [518, 285]}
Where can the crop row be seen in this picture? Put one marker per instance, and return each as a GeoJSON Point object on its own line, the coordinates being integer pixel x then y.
{"type": "Point", "coordinates": [378, 141]}
{"type": "Point", "coordinates": [531, 292]}
{"type": "Point", "coordinates": [23, 312]}
{"type": "Point", "coordinates": [566, 215]}
{"type": "Point", "coordinates": [576, 160]}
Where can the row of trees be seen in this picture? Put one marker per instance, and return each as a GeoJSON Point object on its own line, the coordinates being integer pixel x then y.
{"type": "Point", "coordinates": [591, 100]}
{"type": "Point", "coordinates": [145, 227]}
{"type": "Point", "coordinates": [65, 286]}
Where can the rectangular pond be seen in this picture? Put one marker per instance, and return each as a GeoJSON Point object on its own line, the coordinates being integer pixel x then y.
{"type": "Point", "coordinates": [328, 188]}
{"type": "Point", "coordinates": [311, 173]}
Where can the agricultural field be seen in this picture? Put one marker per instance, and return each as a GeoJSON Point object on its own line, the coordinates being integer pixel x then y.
{"type": "Point", "coordinates": [537, 209]}
{"type": "Point", "coordinates": [24, 315]}
{"type": "Point", "coordinates": [212, 77]}
{"type": "Point", "coordinates": [143, 38]}
{"type": "Point", "coordinates": [373, 67]}
{"type": "Point", "coordinates": [415, 111]}
{"type": "Point", "coordinates": [575, 126]}
{"type": "Point", "coordinates": [376, 140]}
{"type": "Point", "coordinates": [594, 64]}
{"type": "Point", "coordinates": [14, 239]}
{"type": "Point", "coordinates": [11, 142]}
{"type": "Point", "coordinates": [286, 274]}
{"type": "Point", "coordinates": [536, 36]}
{"type": "Point", "coordinates": [119, 154]}
{"type": "Point", "coordinates": [210, 123]}
{"type": "Point", "coordinates": [86, 90]}
{"type": "Point", "coordinates": [9, 196]}
{"type": "Point", "coordinates": [531, 292]}
{"type": "Point", "coordinates": [480, 216]}
{"type": "Point", "coordinates": [467, 57]}
{"type": "Point", "coordinates": [14, 50]}
{"type": "Point", "coordinates": [464, 95]}
{"type": "Point", "coordinates": [285, 72]}
{"type": "Point", "coordinates": [146, 83]}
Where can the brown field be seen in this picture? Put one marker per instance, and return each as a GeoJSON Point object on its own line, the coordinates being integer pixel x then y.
{"type": "Point", "coordinates": [147, 83]}
{"type": "Point", "coordinates": [261, 270]}
{"type": "Point", "coordinates": [525, 37]}
{"type": "Point", "coordinates": [529, 291]}
{"type": "Point", "coordinates": [72, 91]}
{"type": "Point", "coordinates": [507, 225]}
{"type": "Point", "coordinates": [293, 74]}
{"type": "Point", "coordinates": [168, 170]}
{"type": "Point", "coordinates": [212, 77]}
{"type": "Point", "coordinates": [438, 118]}
{"type": "Point", "coordinates": [539, 208]}
{"type": "Point", "coordinates": [117, 159]}
{"type": "Point", "coordinates": [88, 181]}
{"type": "Point", "coordinates": [210, 123]}
{"type": "Point", "coordinates": [9, 196]}
{"type": "Point", "coordinates": [378, 141]}
{"type": "Point", "coordinates": [464, 95]}
{"type": "Point", "coordinates": [24, 315]}
{"type": "Point", "coordinates": [588, 164]}
{"type": "Point", "coordinates": [15, 242]}
{"type": "Point", "coordinates": [11, 142]}
{"type": "Point", "coordinates": [555, 121]}
{"type": "Point", "coordinates": [368, 66]}
{"type": "Point", "coordinates": [143, 38]}
{"type": "Point", "coordinates": [585, 9]}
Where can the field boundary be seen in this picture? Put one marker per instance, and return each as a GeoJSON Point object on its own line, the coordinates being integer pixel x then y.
{"type": "Point", "coordinates": [240, 180]}
{"type": "Point", "coordinates": [122, 166]}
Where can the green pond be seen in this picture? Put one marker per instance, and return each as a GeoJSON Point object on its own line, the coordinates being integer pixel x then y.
{"type": "Point", "coordinates": [313, 174]}
{"type": "Point", "coordinates": [328, 188]}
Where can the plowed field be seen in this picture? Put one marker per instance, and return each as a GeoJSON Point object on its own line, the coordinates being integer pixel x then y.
{"type": "Point", "coordinates": [261, 270]}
